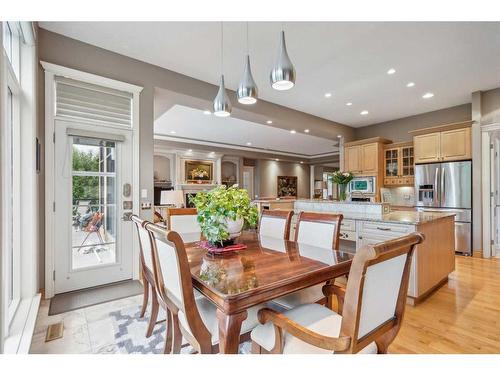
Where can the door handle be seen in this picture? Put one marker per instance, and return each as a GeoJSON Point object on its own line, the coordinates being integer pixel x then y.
{"type": "Point", "coordinates": [443, 189]}
{"type": "Point", "coordinates": [382, 228]}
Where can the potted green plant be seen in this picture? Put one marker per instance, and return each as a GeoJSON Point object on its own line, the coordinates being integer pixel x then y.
{"type": "Point", "coordinates": [342, 179]}
{"type": "Point", "coordinates": [222, 213]}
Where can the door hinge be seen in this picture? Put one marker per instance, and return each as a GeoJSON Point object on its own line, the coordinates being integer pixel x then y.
{"type": "Point", "coordinates": [54, 206]}
{"type": "Point", "coordinates": [492, 242]}
{"type": "Point", "coordinates": [54, 275]}
{"type": "Point", "coordinates": [54, 137]}
{"type": "Point", "coordinates": [491, 146]}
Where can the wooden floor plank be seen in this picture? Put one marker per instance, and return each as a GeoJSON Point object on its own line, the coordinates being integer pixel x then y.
{"type": "Point", "coordinates": [463, 316]}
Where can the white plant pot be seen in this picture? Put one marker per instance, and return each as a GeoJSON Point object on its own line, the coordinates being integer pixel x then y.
{"type": "Point", "coordinates": [234, 227]}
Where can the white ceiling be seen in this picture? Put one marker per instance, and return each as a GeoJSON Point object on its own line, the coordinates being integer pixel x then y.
{"type": "Point", "coordinates": [193, 125]}
{"type": "Point", "coordinates": [350, 60]}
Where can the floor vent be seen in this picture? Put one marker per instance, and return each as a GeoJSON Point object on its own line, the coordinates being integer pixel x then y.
{"type": "Point", "coordinates": [54, 332]}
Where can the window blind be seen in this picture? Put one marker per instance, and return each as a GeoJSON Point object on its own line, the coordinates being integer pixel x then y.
{"type": "Point", "coordinates": [89, 102]}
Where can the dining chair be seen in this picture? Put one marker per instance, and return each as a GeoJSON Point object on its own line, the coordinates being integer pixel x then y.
{"type": "Point", "coordinates": [183, 220]}
{"type": "Point", "coordinates": [190, 317]}
{"type": "Point", "coordinates": [275, 223]}
{"type": "Point", "coordinates": [371, 308]}
{"type": "Point", "coordinates": [321, 230]}
{"type": "Point", "coordinates": [146, 265]}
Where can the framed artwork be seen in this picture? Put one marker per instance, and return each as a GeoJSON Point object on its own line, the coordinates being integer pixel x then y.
{"type": "Point", "coordinates": [287, 186]}
{"type": "Point", "coordinates": [199, 172]}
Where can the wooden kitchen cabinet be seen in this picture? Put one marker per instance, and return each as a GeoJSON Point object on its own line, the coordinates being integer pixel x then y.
{"type": "Point", "coordinates": [370, 157]}
{"type": "Point", "coordinates": [399, 166]}
{"type": "Point", "coordinates": [353, 159]}
{"type": "Point", "coordinates": [443, 143]}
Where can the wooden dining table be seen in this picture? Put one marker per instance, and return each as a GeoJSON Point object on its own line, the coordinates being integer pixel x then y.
{"type": "Point", "coordinates": [268, 268]}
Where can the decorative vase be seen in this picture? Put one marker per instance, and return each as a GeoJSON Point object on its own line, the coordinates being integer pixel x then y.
{"type": "Point", "coordinates": [234, 227]}
{"type": "Point", "coordinates": [342, 192]}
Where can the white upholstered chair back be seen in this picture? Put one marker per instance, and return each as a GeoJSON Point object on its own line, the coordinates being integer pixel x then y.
{"type": "Point", "coordinates": [185, 224]}
{"type": "Point", "coordinates": [320, 230]}
{"type": "Point", "coordinates": [275, 224]}
{"type": "Point", "coordinates": [145, 239]}
{"type": "Point", "coordinates": [380, 293]}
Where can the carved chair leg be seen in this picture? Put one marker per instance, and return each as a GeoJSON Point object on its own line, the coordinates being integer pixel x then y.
{"type": "Point", "coordinates": [154, 313]}
{"type": "Point", "coordinates": [176, 335]}
{"type": "Point", "coordinates": [145, 297]}
{"type": "Point", "coordinates": [167, 349]}
{"type": "Point", "coordinates": [256, 348]}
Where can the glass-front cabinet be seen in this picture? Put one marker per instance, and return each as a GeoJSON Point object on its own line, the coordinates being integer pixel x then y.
{"type": "Point", "coordinates": [399, 165]}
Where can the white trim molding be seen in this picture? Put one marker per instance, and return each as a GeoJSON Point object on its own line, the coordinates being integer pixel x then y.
{"type": "Point", "coordinates": [52, 70]}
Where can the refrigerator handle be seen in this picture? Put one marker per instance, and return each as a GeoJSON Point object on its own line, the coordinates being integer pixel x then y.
{"type": "Point", "coordinates": [436, 186]}
{"type": "Point", "coordinates": [443, 189]}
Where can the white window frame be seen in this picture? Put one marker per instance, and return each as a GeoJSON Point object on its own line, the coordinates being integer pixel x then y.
{"type": "Point", "coordinates": [51, 71]}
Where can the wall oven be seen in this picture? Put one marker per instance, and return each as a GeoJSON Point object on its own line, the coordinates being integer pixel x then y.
{"type": "Point", "coordinates": [362, 185]}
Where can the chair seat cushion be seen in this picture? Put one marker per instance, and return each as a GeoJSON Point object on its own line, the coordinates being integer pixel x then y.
{"type": "Point", "coordinates": [312, 316]}
{"type": "Point", "coordinates": [208, 311]}
{"type": "Point", "coordinates": [312, 294]}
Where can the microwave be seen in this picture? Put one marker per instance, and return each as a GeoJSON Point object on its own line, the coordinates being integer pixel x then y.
{"type": "Point", "coordinates": [363, 185]}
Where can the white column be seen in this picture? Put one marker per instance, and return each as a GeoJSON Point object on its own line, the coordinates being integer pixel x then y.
{"type": "Point", "coordinates": [311, 180]}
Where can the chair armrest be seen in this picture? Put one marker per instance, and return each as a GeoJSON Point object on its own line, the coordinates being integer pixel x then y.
{"type": "Point", "coordinates": [281, 322]}
{"type": "Point", "coordinates": [332, 289]}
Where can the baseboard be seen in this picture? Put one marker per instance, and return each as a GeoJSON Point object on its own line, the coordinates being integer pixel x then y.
{"type": "Point", "coordinates": [414, 301]}
{"type": "Point", "coordinates": [23, 326]}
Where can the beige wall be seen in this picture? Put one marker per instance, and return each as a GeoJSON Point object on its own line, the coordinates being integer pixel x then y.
{"type": "Point", "coordinates": [490, 106]}
{"type": "Point", "coordinates": [161, 168]}
{"type": "Point", "coordinates": [267, 172]}
{"type": "Point", "coordinates": [397, 130]}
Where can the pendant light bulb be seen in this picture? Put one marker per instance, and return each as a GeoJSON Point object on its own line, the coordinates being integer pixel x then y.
{"type": "Point", "coordinates": [283, 72]}
{"type": "Point", "coordinates": [247, 92]}
{"type": "Point", "coordinates": [222, 104]}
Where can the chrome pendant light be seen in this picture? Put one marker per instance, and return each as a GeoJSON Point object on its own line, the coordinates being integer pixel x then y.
{"type": "Point", "coordinates": [222, 104]}
{"type": "Point", "coordinates": [283, 72]}
{"type": "Point", "coordinates": [247, 90]}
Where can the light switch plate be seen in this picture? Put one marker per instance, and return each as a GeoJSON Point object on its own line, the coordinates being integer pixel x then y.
{"type": "Point", "coordinates": [144, 193]}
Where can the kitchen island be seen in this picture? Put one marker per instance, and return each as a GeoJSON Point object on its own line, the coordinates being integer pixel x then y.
{"type": "Point", "coordinates": [368, 223]}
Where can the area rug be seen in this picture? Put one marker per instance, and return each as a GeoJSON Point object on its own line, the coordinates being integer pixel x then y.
{"type": "Point", "coordinates": [130, 335]}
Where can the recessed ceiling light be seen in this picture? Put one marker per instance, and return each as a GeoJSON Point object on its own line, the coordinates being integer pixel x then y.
{"type": "Point", "coordinates": [348, 103]}
{"type": "Point", "coordinates": [277, 159]}
{"type": "Point", "coordinates": [391, 71]}
{"type": "Point", "coordinates": [301, 162]}
{"type": "Point", "coordinates": [306, 130]}
{"type": "Point", "coordinates": [328, 95]}
{"type": "Point", "coordinates": [293, 131]}
{"type": "Point", "coordinates": [365, 112]}
{"type": "Point", "coordinates": [190, 150]}
{"type": "Point", "coordinates": [172, 131]}
{"type": "Point", "coordinates": [428, 95]}
{"type": "Point", "coordinates": [249, 143]}
{"type": "Point", "coordinates": [207, 112]}
{"type": "Point", "coordinates": [269, 121]}
{"type": "Point", "coordinates": [212, 153]}
{"type": "Point", "coordinates": [410, 84]}
{"type": "Point", "coordinates": [339, 136]}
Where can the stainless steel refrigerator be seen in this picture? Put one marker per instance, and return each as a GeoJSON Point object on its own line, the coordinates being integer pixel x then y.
{"type": "Point", "coordinates": [447, 187]}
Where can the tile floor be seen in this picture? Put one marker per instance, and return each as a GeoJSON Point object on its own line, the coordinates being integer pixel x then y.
{"type": "Point", "coordinates": [87, 330]}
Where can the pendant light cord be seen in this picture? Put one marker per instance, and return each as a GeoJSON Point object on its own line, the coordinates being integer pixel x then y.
{"type": "Point", "coordinates": [248, 48]}
{"type": "Point", "coordinates": [221, 48]}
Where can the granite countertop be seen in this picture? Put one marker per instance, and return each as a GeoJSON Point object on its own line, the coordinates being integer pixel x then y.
{"type": "Point", "coordinates": [340, 202]}
{"type": "Point", "coordinates": [400, 217]}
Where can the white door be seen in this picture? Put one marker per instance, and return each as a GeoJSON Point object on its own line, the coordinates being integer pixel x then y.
{"type": "Point", "coordinates": [248, 181]}
{"type": "Point", "coordinates": [93, 177]}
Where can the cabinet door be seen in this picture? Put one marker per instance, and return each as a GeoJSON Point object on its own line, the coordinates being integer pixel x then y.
{"type": "Point", "coordinates": [353, 159]}
{"type": "Point", "coordinates": [426, 148]}
{"type": "Point", "coordinates": [456, 144]}
{"type": "Point", "coordinates": [407, 162]}
{"type": "Point", "coordinates": [391, 162]}
{"type": "Point", "coordinates": [369, 158]}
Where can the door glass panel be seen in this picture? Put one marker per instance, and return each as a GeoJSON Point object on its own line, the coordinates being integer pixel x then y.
{"type": "Point", "coordinates": [94, 192]}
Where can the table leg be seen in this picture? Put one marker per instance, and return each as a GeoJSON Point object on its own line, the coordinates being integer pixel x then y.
{"type": "Point", "coordinates": [229, 331]}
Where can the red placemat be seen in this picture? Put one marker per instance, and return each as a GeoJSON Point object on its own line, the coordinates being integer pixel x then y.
{"type": "Point", "coordinates": [219, 250]}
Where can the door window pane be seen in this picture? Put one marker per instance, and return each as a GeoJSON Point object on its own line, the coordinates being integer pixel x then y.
{"type": "Point", "coordinates": [93, 203]}
{"type": "Point", "coordinates": [10, 200]}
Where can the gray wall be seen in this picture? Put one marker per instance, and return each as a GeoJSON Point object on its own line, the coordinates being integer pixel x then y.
{"type": "Point", "coordinates": [490, 106]}
{"type": "Point", "coordinates": [61, 50]}
{"type": "Point", "coordinates": [267, 172]}
{"type": "Point", "coordinates": [397, 130]}
{"type": "Point", "coordinates": [162, 168]}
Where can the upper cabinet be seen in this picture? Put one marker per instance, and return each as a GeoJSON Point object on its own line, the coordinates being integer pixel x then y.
{"type": "Point", "coordinates": [364, 157]}
{"type": "Point", "coordinates": [399, 164]}
{"type": "Point", "coordinates": [352, 155]}
{"type": "Point", "coordinates": [444, 143]}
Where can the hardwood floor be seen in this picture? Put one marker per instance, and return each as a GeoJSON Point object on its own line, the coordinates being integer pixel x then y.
{"type": "Point", "coordinates": [463, 316]}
